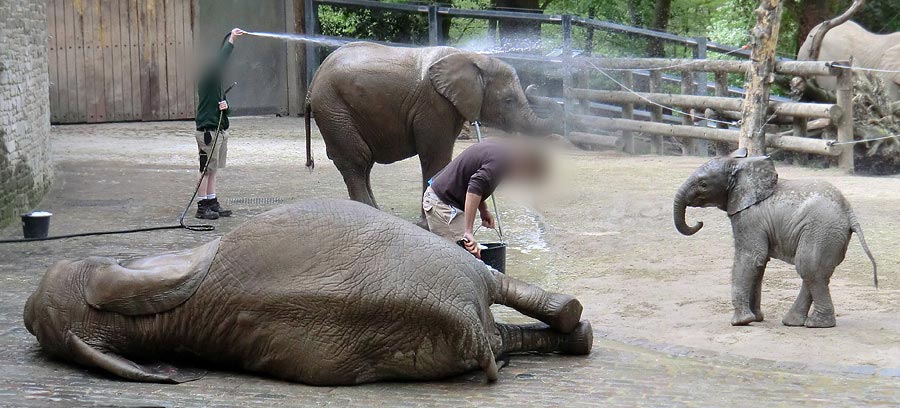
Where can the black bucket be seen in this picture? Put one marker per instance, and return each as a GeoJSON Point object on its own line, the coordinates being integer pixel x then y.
{"type": "Point", "coordinates": [495, 256]}
{"type": "Point", "coordinates": [36, 224]}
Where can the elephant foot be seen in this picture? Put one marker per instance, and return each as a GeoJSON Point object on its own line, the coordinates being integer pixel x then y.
{"type": "Point", "coordinates": [758, 316]}
{"type": "Point", "coordinates": [580, 341]}
{"type": "Point", "coordinates": [817, 321]}
{"type": "Point", "coordinates": [564, 312]}
{"type": "Point", "coordinates": [743, 318]}
{"type": "Point", "coordinates": [794, 319]}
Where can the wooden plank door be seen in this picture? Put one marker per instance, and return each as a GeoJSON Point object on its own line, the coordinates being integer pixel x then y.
{"type": "Point", "coordinates": [120, 60]}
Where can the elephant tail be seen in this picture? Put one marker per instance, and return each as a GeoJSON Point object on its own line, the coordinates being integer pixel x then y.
{"type": "Point", "coordinates": [307, 115]}
{"type": "Point", "coordinates": [854, 225]}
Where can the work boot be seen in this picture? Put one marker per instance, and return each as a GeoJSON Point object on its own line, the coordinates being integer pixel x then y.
{"type": "Point", "coordinates": [214, 205]}
{"type": "Point", "coordinates": [204, 212]}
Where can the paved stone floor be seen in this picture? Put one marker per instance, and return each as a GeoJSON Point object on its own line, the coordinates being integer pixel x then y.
{"type": "Point", "coordinates": [102, 183]}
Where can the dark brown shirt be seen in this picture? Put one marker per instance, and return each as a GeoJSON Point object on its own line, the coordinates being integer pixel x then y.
{"type": "Point", "coordinates": [477, 170]}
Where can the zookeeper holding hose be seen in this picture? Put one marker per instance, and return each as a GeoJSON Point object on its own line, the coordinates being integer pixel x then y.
{"type": "Point", "coordinates": [211, 107]}
{"type": "Point", "coordinates": [463, 186]}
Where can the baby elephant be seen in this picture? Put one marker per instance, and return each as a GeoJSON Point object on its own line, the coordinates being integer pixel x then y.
{"type": "Point", "coordinates": [323, 292]}
{"type": "Point", "coordinates": [806, 224]}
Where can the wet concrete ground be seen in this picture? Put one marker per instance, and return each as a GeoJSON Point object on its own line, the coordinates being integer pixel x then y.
{"type": "Point", "coordinates": [132, 175]}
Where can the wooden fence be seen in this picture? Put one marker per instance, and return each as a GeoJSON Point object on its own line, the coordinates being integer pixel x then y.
{"type": "Point", "coordinates": [641, 103]}
{"type": "Point", "coordinates": [120, 60]}
{"type": "Point", "coordinates": [709, 118]}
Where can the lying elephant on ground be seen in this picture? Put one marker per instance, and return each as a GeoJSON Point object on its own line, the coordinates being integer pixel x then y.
{"type": "Point", "coordinates": [322, 292]}
{"type": "Point", "coordinates": [380, 104]}
{"type": "Point", "coordinates": [807, 224]}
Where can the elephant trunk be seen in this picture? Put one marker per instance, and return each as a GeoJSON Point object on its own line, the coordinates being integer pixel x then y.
{"type": "Point", "coordinates": [680, 204]}
{"type": "Point", "coordinates": [551, 122]}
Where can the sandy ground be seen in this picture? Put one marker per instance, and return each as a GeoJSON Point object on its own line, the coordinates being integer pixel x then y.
{"type": "Point", "coordinates": [602, 230]}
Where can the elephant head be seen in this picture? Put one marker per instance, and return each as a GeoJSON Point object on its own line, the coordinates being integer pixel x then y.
{"type": "Point", "coordinates": [486, 89]}
{"type": "Point", "coordinates": [731, 183]}
{"type": "Point", "coordinates": [82, 309]}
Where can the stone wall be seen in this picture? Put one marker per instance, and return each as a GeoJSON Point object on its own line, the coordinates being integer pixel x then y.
{"type": "Point", "coordinates": [25, 168]}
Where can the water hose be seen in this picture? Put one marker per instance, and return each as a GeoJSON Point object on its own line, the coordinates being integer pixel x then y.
{"type": "Point", "coordinates": [181, 223]}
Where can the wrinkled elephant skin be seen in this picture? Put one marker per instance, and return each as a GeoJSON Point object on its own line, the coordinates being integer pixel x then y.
{"type": "Point", "coordinates": [379, 104]}
{"type": "Point", "coordinates": [806, 224]}
{"type": "Point", "coordinates": [323, 292]}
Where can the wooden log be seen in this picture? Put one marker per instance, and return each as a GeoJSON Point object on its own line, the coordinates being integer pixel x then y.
{"type": "Point", "coordinates": [845, 124]}
{"type": "Point", "coordinates": [798, 68]}
{"type": "Point", "coordinates": [628, 113]}
{"type": "Point", "coordinates": [795, 109]}
{"type": "Point", "coordinates": [687, 89]}
{"type": "Point", "coordinates": [656, 112]}
{"type": "Point", "coordinates": [796, 144]}
{"type": "Point", "coordinates": [763, 42]}
{"type": "Point", "coordinates": [593, 139]}
{"type": "Point", "coordinates": [722, 148]}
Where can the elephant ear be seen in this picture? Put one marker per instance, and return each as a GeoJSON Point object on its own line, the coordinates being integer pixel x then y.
{"type": "Point", "coordinates": [148, 285]}
{"type": "Point", "coordinates": [458, 78]}
{"type": "Point", "coordinates": [891, 61]}
{"type": "Point", "coordinates": [83, 353]}
{"type": "Point", "coordinates": [753, 179]}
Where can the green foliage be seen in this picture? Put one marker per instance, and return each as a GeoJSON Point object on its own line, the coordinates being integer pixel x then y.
{"type": "Point", "coordinates": [372, 24]}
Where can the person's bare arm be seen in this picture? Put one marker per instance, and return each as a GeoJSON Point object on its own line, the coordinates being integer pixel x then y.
{"type": "Point", "coordinates": [473, 202]}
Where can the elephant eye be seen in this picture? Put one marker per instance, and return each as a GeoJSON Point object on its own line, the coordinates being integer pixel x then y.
{"type": "Point", "coordinates": [703, 184]}
{"type": "Point", "coordinates": [508, 99]}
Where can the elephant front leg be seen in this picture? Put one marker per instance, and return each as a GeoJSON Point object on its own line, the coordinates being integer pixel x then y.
{"type": "Point", "coordinates": [561, 312]}
{"type": "Point", "coordinates": [746, 283]}
{"type": "Point", "coordinates": [797, 315]}
{"type": "Point", "coordinates": [540, 338]}
{"type": "Point", "coordinates": [756, 297]}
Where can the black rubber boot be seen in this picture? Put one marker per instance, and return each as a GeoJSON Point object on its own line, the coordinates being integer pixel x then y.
{"type": "Point", "coordinates": [204, 212]}
{"type": "Point", "coordinates": [214, 205]}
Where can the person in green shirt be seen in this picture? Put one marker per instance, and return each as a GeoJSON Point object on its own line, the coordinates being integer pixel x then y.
{"type": "Point", "coordinates": [212, 115]}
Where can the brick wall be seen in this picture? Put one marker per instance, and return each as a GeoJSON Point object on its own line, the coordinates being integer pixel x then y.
{"type": "Point", "coordinates": [25, 168]}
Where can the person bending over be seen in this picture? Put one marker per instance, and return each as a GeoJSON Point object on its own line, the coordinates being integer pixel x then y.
{"type": "Point", "coordinates": [462, 188]}
{"type": "Point", "coordinates": [212, 115]}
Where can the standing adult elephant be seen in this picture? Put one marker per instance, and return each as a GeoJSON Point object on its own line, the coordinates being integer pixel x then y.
{"type": "Point", "coordinates": [380, 104]}
{"type": "Point", "coordinates": [867, 50]}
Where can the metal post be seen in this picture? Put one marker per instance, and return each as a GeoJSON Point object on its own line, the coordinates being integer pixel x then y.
{"type": "Point", "coordinates": [845, 124]}
{"type": "Point", "coordinates": [434, 25]}
{"type": "Point", "coordinates": [566, 24]}
{"type": "Point", "coordinates": [312, 28]}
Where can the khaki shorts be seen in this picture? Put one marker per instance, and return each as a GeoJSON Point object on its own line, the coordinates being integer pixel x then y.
{"type": "Point", "coordinates": [217, 160]}
{"type": "Point", "coordinates": [443, 219]}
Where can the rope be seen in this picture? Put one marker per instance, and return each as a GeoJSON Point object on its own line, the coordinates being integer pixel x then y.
{"type": "Point", "coordinates": [885, 71]}
{"type": "Point", "coordinates": [666, 68]}
{"type": "Point", "coordinates": [659, 104]}
{"type": "Point", "coordinates": [834, 143]}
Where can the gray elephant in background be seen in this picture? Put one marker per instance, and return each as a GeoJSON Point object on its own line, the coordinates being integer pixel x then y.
{"type": "Point", "coordinates": [867, 50]}
{"type": "Point", "coordinates": [380, 104]}
{"type": "Point", "coordinates": [323, 292]}
{"type": "Point", "coordinates": [806, 224]}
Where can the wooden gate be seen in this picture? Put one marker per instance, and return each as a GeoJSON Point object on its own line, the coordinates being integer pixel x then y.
{"type": "Point", "coordinates": [121, 60]}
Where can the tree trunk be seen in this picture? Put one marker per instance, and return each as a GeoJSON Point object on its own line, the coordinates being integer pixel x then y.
{"type": "Point", "coordinates": [660, 22]}
{"type": "Point", "coordinates": [764, 41]}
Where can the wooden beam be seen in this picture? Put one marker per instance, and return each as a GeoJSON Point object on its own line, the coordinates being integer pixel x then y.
{"type": "Point", "coordinates": [795, 109]}
{"type": "Point", "coordinates": [801, 68]}
{"type": "Point", "coordinates": [795, 144]}
{"type": "Point", "coordinates": [763, 41]}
